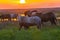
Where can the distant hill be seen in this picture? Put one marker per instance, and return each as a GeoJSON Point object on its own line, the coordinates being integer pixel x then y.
{"type": "Point", "coordinates": [23, 10]}
{"type": "Point", "coordinates": [47, 9]}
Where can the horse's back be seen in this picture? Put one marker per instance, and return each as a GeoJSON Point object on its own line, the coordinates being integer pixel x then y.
{"type": "Point", "coordinates": [27, 19]}
{"type": "Point", "coordinates": [36, 19]}
{"type": "Point", "coordinates": [23, 19]}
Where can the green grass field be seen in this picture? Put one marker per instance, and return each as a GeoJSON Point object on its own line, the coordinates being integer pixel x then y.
{"type": "Point", "coordinates": [9, 31]}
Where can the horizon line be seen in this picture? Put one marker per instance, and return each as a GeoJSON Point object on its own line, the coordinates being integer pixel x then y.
{"type": "Point", "coordinates": [27, 8]}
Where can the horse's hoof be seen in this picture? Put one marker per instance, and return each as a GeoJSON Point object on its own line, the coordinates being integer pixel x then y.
{"type": "Point", "coordinates": [19, 29]}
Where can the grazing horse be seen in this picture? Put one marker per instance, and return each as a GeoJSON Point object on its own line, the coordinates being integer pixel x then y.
{"type": "Point", "coordinates": [5, 16]}
{"type": "Point", "coordinates": [13, 16]}
{"type": "Point", "coordinates": [8, 16]}
{"type": "Point", "coordinates": [29, 21]}
{"type": "Point", "coordinates": [50, 16]}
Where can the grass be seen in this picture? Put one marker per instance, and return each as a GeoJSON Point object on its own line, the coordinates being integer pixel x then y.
{"type": "Point", "coordinates": [11, 32]}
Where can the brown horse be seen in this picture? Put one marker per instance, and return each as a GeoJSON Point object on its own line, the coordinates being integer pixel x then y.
{"type": "Point", "coordinates": [27, 13]}
{"type": "Point", "coordinates": [50, 16]}
{"type": "Point", "coordinates": [5, 16]}
{"type": "Point", "coordinates": [8, 16]}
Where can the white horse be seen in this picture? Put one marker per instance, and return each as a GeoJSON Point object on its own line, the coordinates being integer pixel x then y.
{"type": "Point", "coordinates": [29, 21]}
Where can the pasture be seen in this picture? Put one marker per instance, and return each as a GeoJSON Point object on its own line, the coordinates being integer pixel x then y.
{"type": "Point", "coordinates": [9, 31]}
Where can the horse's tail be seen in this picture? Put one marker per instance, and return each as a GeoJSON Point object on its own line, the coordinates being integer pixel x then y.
{"type": "Point", "coordinates": [55, 20]}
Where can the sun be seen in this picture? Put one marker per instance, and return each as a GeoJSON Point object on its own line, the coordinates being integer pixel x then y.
{"type": "Point", "coordinates": [22, 1]}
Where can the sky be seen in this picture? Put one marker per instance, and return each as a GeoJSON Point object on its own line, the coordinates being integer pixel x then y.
{"type": "Point", "coordinates": [16, 4]}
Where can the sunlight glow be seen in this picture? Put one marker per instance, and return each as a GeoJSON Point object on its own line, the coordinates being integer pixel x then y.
{"type": "Point", "coordinates": [22, 1]}
{"type": "Point", "coordinates": [22, 15]}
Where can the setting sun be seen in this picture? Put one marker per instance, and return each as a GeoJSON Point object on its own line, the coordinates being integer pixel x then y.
{"type": "Point", "coordinates": [22, 1]}
{"type": "Point", "coordinates": [27, 4]}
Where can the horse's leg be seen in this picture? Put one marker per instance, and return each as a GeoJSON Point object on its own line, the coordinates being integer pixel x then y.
{"type": "Point", "coordinates": [42, 23]}
{"type": "Point", "coordinates": [20, 26]}
{"type": "Point", "coordinates": [26, 26]}
{"type": "Point", "coordinates": [39, 26]}
{"type": "Point", "coordinates": [9, 19]}
{"type": "Point", "coordinates": [53, 22]}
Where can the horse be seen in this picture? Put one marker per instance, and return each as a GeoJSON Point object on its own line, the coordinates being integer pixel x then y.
{"type": "Point", "coordinates": [13, 16]}
{"type": "Point", "coordinates": [8, 16]}
{"type": "Point", "coordinates": [28, 12]}
{"type": "Point", "coordinates": [49, 16]}
{"type": "Point", "coordinates": [5, 16]}
{"type": "Point", "coordinates": [25, 21]}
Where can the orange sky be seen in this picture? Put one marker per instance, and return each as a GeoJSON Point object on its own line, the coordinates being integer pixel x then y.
{"type": "Point", "coordinates": [15, 4]}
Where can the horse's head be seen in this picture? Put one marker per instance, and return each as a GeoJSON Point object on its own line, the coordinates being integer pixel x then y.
{"type": "Point", "coordinates": [27, 13]}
